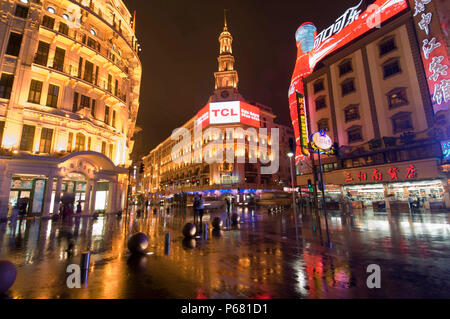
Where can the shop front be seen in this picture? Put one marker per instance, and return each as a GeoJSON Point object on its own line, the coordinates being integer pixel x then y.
{"type": "Point", "coordinates": [390, 186]}
{"type": "Point", "coordinates": [36, 184]}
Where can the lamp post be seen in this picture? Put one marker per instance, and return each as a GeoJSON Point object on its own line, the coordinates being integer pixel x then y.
{"type": "Point", "coordinates": [291, 158]}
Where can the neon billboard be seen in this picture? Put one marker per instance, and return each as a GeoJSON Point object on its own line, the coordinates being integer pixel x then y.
{"type": "Point", "coordinates": [232, 112]}
{"type": "Point", "coordinates": [434, 53]}
{"type": "Point", "coordinates": [312, 47]}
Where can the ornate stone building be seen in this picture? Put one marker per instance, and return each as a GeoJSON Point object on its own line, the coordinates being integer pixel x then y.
{"type": "Point", "coordinates": [69, 97]}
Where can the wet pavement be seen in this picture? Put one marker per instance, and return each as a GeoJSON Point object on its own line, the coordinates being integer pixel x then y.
{"type": "Point", "coordinates": [261, 258]}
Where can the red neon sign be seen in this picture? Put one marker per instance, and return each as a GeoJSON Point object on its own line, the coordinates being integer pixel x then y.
{"type": "Point", "coordinates": [313, 47]}
{"type": "Point", "coordinates": [228, 113]}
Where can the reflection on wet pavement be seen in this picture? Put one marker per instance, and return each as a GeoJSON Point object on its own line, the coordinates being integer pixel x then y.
{"type": "Point", "coordinates": [261, 258]}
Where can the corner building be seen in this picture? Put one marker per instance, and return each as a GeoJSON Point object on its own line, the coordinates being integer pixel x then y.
{"type": "Point", "coordinates": [382, 100]}
{"type": "Point", "coordinates": [226, 108]}
{"type": "Point", "coordinates": [69, 98]}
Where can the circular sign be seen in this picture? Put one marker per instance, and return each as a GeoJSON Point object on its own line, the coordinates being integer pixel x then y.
{"type": "Point", "coordinates": [322, 141]}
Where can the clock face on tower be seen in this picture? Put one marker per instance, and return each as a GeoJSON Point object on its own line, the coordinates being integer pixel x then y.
{"type": "Point", "coordinates": [225, 94]}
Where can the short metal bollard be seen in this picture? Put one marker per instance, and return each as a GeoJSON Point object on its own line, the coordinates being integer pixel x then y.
{"type": "Point", "coordinates": [167, 244]}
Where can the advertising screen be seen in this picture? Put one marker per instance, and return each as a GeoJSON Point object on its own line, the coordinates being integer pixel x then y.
{"type": "Point", "coordinates": [312, 47]}
{"type": "Point", "coordinates": [229, 113]}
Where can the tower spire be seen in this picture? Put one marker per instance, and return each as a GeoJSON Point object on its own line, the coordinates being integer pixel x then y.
{"type": "Point", "coordinates": [226, 77]}
{"type": "Point", "coordinates": [225, 28]}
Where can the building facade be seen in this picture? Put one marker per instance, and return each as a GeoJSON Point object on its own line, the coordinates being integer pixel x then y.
{"type": "Point", "coordinates": [69, 98]}
{"type": "Point", "coordinates": [381, 99]}
{"type": "Point", "coordinates": [226, 110]}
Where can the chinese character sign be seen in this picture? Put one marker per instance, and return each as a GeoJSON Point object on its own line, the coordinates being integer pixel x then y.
{"type": "Point", "coordinates": [389, 174]}
{"type": "Point", "coordinates": [434, 52]}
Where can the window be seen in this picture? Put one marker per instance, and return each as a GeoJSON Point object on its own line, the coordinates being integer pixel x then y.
{"type": "Point", "coordinates": [114, 119]}
{"type": "Point", "coordinates": [48, 22]}
{"type": "Point", "coordinates": [93, 44]}
{"type": "Point", "coordinates": [76, 96]}
{"type": "Point", "coordinates": [85, 102]}
{"type": "Point", "coordinates": [51, 10]}
{"type": "Point", "coordinates": [14, 44]}
{"type": "Point", "coordinates": [391, 68]}
{"type": "Point", "coordinates": [63, 28]}
{"type": "Point", "coordinates": [21, 11]}
{"type": "Point", "coordinates": [26, 143]}
{"type": "Point", "coordinates": [6, 83]}
{"type": "Point", "coordinates": [397, 97]}
{"type": "Point", "coordinates": [35, 92]}
{"type": "Point", "coordinates": [104, 148]}
{"type": "Point", "coordinates": [93, 32]}
{"type": "Point", "coordinates": [401, 122]}
{"type": "Point", "coordinates": [89, 143]}
{"type": "Point", "coordinates": [321, 103]}
{"type": "Point", "coordinates": [41, 57]}
{"type": "Point", "coordinates": [2, 129]}
{"type": "Point", "coordinates": [66, 16]}
{"type": "Point", "coordinates": [351, 113]}
{"type": "Point", "coordinates": [109, 89]}
{"type": "Point", "coordinates": [345, 67]}
{"type": "Point", "coordinates": [348, 86]}
{"type": "Point", "coordinates": [323, 125]}
{"type": "Point", "coordinates": [88, 72]}
{"type": "Point", "coordinates": [46, 140]}
{"type": "Point", "coordinates": [116, 88]}
{"type": "Point", "coordinates": [110, 150]}
{"type": "Point", "coordinates": [94, 104]}
{"type": "Point", "coordinates": [70, 142]}
{"type": "Point", "coordinates": [80, 67]}
{"type": "Point", "coordinates": [58, 61]}
{"type": "Point", "coordinates": [80, 142]}
{"type": "Point", "coordinates": [354, 134]}
{"type": "Point", "coordinates": [52, 96]}
{"type": "Point", "coordinates": [387, 46]}
{"type": "Point", "coordinates": [319, 86]}
{"type": "Point", "coordinates": [107, 115]}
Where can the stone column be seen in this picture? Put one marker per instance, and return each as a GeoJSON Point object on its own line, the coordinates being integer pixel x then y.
{"type": "Point", "coordinates": [111, 208]}
{"type": "Point", "coordinates": [87, 197]}
{"type": "Point", "coordinates": [48, 196]}
{"type": "Point", "coordinates": [57, 195]}
{"type": "Point", "coordinates": [5, 187]}
{"type": "Point", "coordinates": [93, 195]}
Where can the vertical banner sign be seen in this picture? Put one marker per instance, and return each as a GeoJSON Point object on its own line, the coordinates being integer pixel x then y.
{"type": "Point", "coordinates": [312, 47]}
{"type": "Point", "coordinates": [302, 124]}
{"type": "Point", "coordinates": [434, 52]}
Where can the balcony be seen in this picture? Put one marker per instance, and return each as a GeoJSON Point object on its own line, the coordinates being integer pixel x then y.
{"type": "Point", "coordinates": [71, 70]}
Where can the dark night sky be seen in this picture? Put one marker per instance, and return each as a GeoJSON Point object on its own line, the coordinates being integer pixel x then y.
{"type": "Point", "coordinates": [179, 41]}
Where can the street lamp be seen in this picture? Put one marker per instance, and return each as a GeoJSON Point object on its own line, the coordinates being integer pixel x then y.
{"type": "Point", "coordinates": [291, 154]}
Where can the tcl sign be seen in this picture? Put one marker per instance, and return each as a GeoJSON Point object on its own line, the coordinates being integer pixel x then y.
{"type": "Point", "coordinates": [229, 113]}
{"type": "Point", "coordinates": [224, 112]}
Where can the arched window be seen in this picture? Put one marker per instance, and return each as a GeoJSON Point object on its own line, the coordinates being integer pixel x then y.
{"type": "Point", "coordinates": [354, 134]}
{"type": "Point", "coordinates": [397, 97]}
{"type": "Point", "coordinates": [351, 113]}
{"type": "Point", "coordinates": [80, 142]}
{"type": "Point", "coordinates": [319, 86]}
{"type": "Point", "coordinates": [320, 102]}
{"type": "Point", "coordinates": [387, 45]}
{"type": "Point", "coordinates": [345, 67]}
{"type": "Point", "coordinates": [391, 67]}
{"type": "Point", "coordinates": [401, 122]}
{"type": "Point", "coordinates": [322, 124]}
{"type": "Point", "coordinates": [348, 86]}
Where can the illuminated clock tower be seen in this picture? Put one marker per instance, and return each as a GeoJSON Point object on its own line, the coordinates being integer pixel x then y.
{"type": "Point", "coordinates": [226, 78]}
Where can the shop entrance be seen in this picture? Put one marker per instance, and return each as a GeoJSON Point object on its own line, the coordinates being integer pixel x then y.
{"type": "Point", "coordinates": [27, 191]}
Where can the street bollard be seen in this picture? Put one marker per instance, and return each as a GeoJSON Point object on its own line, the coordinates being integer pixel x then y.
{"type": "Point", "coordinates": [167, 244]}
{"type": "Point", "coordinates": [85, 260]}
